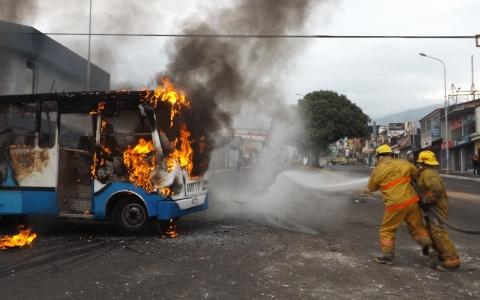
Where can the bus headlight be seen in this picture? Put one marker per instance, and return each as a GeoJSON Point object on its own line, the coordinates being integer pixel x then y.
{"type": "Point", "coordinates": [177, 189]}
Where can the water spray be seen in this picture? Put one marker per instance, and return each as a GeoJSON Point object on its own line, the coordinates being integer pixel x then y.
{"type": "Point", "coordinates": [323, 181]}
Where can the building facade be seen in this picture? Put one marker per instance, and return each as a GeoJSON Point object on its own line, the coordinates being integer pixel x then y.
{"type": "Point", "coordinates": [31, 62]}
{"type": "Point", "coordinates": [458, 131]}
{"type": "Point", "coordinates": [247, 144]}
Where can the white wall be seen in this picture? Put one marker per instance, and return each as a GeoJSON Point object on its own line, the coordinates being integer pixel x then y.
{"type": "Point", "coordinates": [12, 73]}
{"type": "Point", "coordinates": [63, 82]}
{"type": "Point", "coordinates": [13, 66]}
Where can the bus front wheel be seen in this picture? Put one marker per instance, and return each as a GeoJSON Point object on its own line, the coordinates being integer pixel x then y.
{"type": "Point", "coordinates": [130, 216]}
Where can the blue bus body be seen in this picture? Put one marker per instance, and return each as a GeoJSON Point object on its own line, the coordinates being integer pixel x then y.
{"type": "Point", "coordinates": [74, 155]}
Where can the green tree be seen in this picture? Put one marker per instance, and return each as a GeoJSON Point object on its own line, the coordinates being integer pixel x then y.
{"type": "Point", "coordinates": [327, 117]}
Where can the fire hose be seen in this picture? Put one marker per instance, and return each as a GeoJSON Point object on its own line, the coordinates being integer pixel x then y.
{"type": "Point", "coordinates": [432, 210]}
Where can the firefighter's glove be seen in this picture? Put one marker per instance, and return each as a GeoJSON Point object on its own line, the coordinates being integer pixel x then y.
{"type": "Point", "coordinates": [424, 204]}
{"type": "Point", "coordinates": [429, 199]}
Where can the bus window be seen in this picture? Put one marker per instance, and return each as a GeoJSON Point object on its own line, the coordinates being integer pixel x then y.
{"type": "Point", "coordinates": [127, 129]}
{"type": "Point", "coordinates": [116, 136]}
{"type": "Point", "coordinates": [17, 129]}
{"type": "Point", "coordinates": [48, 125]}
{"type": "Point", "coordinates": [76, 132]}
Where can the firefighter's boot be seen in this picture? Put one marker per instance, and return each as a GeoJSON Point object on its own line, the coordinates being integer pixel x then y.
{"type": "Point", "coordinates": [449, 265]}
{"type": "Point", "coordinates": [386, 259]}
{"type": "Point", "coordinates": [432, 257]}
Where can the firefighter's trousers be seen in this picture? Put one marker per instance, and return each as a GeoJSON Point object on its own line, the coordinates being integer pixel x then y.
{"type": "Point", "coordinates": [443, 245]}
{"type": "Point", "coordinates": [393, 219]}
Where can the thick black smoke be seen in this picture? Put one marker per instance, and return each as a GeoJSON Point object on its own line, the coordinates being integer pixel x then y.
{"type": "Point", "coordinates": [247, 73]}
{"type": "Point", "coordinates": [246, 78]}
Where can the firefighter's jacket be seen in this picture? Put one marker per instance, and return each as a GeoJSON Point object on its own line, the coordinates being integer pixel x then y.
{"type": "Point", "coordinates": [430, 183]}
{"type": "Point", "coordinates": [392, 176]}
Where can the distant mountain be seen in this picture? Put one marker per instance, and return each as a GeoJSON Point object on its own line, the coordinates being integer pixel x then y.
{"type": "Point", "coordinates": [412, 114]}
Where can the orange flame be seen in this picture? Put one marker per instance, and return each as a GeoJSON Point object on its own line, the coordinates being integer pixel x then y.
{"type": "Point", "coordinates": [170, 94]}
{"type": "Point", "coordinates": [139, 166]}
{"type": "Point", "coordinates": [184, 155]}
{"type": "Point", "coordinates": [171, 231]}
{"type": "Point", "coordinates": [167, 191]}
{"type": "Point", "coordinates": [19, 240]}
{"type": "Point", "coordinates": [100, 107]}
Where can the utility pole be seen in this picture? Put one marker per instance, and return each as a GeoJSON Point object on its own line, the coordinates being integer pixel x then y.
{"type": "Point", "coordinates": [446, 106]}
{"type": "Point", "coordinates": [89, 39]}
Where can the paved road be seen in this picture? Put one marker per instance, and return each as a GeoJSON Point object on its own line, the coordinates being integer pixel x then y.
{"type": "Point", "coordinates": [270, 233]}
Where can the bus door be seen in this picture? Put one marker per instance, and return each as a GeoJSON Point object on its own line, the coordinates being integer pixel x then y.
{"type": "Point", "coordinates": [75, 161]}
{"type": "Point", "coordinates": [28, 157]}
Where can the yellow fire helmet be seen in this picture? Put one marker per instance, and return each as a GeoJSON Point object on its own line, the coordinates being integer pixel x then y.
{"type": "Point", "coordinates": [427, 157]}
{"type": "Point", "coordinates": [383, 149]}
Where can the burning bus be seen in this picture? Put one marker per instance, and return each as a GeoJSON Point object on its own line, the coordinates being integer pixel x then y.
{"type": "Point", "coordinates": [125, 156]}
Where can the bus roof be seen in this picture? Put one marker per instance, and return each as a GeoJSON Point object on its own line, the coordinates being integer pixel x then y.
{"type": "Point", "coordinates": [83, 101]}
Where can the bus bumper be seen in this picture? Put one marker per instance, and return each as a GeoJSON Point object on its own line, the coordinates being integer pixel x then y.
{"type": "Point", "coordinates": [169, 209]}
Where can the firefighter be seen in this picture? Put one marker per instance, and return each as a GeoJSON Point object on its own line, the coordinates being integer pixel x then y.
{"type": "Point", "coordinates": [392, 176]}
{"type": "Point", "coordinates": [434, 194]}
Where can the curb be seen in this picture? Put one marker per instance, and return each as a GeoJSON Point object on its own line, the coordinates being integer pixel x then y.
{"type": "Point", "coordinates": [459, 177]}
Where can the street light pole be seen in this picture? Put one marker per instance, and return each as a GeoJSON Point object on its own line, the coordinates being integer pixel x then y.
{"type": "Point", "coordinates": [446, 105]}
{"type": "Point", "coordinates": [89, 39]}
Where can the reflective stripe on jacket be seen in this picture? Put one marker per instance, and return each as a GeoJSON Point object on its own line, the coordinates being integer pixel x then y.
{"type": "Point", "coordinates": [392, 176]}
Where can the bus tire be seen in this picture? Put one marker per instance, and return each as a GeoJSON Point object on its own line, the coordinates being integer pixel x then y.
{"type": "Point", "coordinates": [131, 217]}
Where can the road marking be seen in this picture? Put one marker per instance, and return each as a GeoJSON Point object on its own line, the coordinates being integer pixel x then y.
{"type": "Point", "coordinates": [463, 196]}
{"type": "Point", "coordinates": [463, 184]}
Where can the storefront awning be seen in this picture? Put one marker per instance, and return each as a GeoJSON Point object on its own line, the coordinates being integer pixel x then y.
{"type": "Point", "coordinates": [474, 138]}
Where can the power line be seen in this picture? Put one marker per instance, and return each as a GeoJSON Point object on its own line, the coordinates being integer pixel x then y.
{"type": "Point", "coordinates": [260, 36]}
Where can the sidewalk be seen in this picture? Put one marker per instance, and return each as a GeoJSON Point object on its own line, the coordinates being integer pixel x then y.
{"type": "Point", "coordinates": [458, 175]}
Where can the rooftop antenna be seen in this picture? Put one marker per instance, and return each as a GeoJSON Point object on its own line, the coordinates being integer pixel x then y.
{"type": "Point", "coordinates": [473, 90]}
